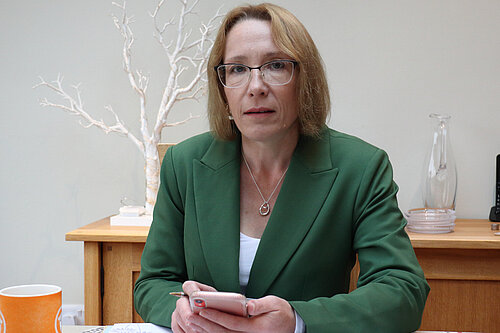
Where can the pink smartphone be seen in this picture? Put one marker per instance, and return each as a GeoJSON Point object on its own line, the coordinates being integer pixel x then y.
{"type": "Point", "coordinates": [231, 303]}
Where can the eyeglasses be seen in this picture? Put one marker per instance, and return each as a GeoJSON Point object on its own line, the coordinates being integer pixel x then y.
{"type": "Point", "coordinates": [276, 73]}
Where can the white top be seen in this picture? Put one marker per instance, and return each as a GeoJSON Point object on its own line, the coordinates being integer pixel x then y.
{"type": "Point", "coordinates": [248, 249]}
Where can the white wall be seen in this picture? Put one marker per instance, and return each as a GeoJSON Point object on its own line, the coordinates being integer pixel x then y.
{"type": "Point", "coordinates": [390, 63]}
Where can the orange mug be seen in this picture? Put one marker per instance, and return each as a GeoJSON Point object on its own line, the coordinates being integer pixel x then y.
{"type": "Point", "coordinates": [31, 308]}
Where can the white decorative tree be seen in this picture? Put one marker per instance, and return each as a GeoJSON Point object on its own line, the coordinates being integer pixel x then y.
{"type": "Point", "coordinates": [183, 53]}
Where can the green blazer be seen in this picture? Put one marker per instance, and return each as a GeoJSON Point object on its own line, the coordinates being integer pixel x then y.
{"type": "Point", "coordinates": [337, 200]}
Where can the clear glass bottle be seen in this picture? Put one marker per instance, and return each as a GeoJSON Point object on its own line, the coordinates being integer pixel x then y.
{"type": "Point", "coordinates": [440, 181]}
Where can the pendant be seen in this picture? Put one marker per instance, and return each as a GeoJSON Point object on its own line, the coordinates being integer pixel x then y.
{"type": "Point", "coordinates": [264, 209]}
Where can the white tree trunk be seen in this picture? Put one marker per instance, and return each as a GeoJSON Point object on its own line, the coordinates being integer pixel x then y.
{"type": "Point", "coordinates": [152, 171]}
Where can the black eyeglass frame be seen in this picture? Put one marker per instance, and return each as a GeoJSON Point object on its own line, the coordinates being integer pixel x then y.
{"type": "Point", "coordinates": [295, 64]}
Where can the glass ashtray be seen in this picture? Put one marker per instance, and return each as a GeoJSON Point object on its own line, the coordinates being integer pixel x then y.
{"type": "Point", "coordinates": [431, 220]}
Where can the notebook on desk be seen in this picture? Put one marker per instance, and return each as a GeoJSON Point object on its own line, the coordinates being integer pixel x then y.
{"type": "Point", "coordinates": [136, 328]}
{"type": "Point", "coordinates": [150, 328]}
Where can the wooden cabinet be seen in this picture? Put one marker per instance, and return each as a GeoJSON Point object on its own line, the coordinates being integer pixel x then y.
{"type": "Point", "coordinates": [112, 262]}
{"type": "Point", "coordinates": [462, 268]}
{"type": "Point", "coordinates": [121, 264]}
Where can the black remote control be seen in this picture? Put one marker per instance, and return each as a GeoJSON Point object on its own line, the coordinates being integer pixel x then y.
{"type": "Point", "coordinates": [497, 201]}
{"type": "Point", "coordinates": [495, 211]}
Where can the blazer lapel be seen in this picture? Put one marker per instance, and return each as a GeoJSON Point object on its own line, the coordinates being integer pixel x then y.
{"type": "Point", "coordinates": [306, 185]}
{"type": "Point", "coordinates": [217, 199]}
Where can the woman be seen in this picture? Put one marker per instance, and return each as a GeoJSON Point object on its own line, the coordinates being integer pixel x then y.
{"type": "Point", "coordinates": [274, 204]}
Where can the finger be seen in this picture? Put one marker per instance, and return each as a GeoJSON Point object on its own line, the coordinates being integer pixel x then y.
{"type": "Point", "coordinates": [193, 322]}
{"type": "Point", "coordinates": [271, 314]}
{"type": "Point", "coordinates": [263, 305]}
{"type": "Point", "coordinates": [189, 325]}
{"type": "Point", "coordinates": [211, 326]}
{"type": "Point", "coordinates": [193, 328]}
{"type": "Point", "coordinates": [175, 326]}
{"type": "Point", "coordinates": [183, 315]}
{"type": "Point", "coordinates": [224, 322]}
{"type": "Point", "coordinates": [191, 286]}
{"type": "Point", "coordinates": [177, 329]}
{"type": "Point", "coordinates": [177, 322]}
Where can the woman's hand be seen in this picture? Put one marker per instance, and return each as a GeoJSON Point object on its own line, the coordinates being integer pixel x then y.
{"type": "Point", "coordinates": [268, 314]}
{"type": "Point", "coordinates": [182, 318]}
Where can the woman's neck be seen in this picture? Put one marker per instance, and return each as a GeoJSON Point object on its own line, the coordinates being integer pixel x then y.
{"type": "Point", "coordinates": [268, 157]}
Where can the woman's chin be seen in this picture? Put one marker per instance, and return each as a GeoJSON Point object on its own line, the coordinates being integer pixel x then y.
{"type": "Point", "coordinates": [263, 135]}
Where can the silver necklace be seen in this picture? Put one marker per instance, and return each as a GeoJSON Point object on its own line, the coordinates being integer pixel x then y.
{"type": "Point", "coordinates": [264, 208]}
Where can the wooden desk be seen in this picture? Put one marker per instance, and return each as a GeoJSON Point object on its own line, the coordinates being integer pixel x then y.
{"type": "Point", "coordinates": [463, 269]}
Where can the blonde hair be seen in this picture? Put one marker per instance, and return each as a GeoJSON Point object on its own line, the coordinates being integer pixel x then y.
{"type": "Point", "coordinates": [292, 38]}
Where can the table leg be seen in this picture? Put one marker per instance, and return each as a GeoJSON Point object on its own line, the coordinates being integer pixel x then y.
{"type": "Point", "coordinates": [92, 271]}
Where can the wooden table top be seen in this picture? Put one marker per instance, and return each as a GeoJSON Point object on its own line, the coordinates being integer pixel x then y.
{"type": "Point", "coordinates": [468, 234]}
{"type": "Point", "coordinates": [102, 231]}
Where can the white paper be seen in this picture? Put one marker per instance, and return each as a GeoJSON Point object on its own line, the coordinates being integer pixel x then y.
{"type": "Point", "coordinates": [137, 328]}
{"type": "Point", "coordinates": [132, 221]}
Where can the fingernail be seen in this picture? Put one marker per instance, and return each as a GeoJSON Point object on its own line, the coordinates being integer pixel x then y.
{"type": "Point", "coordinates": [195, 328]}
{"type": "Point", "coordinates": [203, 313]}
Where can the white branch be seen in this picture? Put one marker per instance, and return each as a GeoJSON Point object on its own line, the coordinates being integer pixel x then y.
{"type": "Point", "coordinates": [181, 122]}
{"type": "Point", "coordinates": [160, 31]}
{"type": "Point", "coordinates": [194, 95]}
{"type": "Point", "coordinates": [203, 45]}
{"type": "Point", "coordinates": [189, 59]}
{"type": "Point", "coordinates": [139, 83]}
{"type": "Point", "coordinates": [75, 108]}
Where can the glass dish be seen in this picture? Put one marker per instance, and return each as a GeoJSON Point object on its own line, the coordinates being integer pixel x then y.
{"type": "Point", "coordinates": [431, 220]}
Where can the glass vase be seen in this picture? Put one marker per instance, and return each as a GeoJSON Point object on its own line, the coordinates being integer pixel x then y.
{"type": "Point", "coordinates": [440, 181]}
